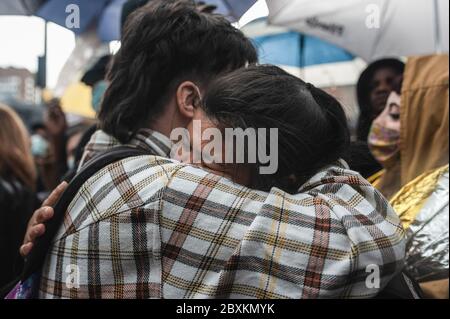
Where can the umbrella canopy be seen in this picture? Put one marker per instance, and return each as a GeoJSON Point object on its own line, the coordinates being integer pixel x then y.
{"type": "Point", "coordinates": [233, 9]}
{"type": "Point", "coordinates": [102, 14]}
{"type": "Point", "coordinates": [19, 7]}
{"type": "Point", "coordinates": [281, 46]}
{"type": "Point", "coordinates": [105, 15]}
{"type": "Point", "coordinates": [109, 24]}
{"type": "Point", "coordinates": [369, 29]}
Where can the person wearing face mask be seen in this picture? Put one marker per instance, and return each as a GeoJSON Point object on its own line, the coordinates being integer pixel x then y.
{"type": "Point", "coordinates": [410, 139]}
{"type": "Point", "coordinates": [48, 146]}
{"type": "Point", "coordinates": [95, 78]}
{"type": "Point", "coordinates": [384, 144]}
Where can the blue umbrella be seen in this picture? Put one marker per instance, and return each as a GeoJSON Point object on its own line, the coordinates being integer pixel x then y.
{"type": "Point", "coordinates": [102, 14]}
{"type": "Point", "coordinates": [105, 15]}
{"type": "Point", "coordinates": [109, 25]}
{"type": "Point", "coordinates": [283, 47]}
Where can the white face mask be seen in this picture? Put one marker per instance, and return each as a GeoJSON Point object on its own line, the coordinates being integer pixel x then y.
{"type": "Point", "coordinates": [39, 146]}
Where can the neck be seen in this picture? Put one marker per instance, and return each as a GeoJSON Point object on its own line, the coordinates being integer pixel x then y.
{"type": "Point", "coordinates": [161, 127]}
{"type": "Point", "coordinates": [165, 122]}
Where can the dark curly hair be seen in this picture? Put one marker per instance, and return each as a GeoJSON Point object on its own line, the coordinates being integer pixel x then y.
{"type": "Point", "coordinates": [164, 43]}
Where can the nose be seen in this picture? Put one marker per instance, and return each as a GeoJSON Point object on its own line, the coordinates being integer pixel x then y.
{"type": "Point", "coordinates": [380, 120]}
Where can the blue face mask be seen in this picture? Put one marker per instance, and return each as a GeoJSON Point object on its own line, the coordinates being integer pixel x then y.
{"type": "Point", "coordinates": [98, 91]}
{"type": "Point", "coordinates": [39, 146]}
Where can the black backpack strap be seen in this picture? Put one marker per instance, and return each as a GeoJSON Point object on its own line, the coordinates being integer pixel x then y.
{"type": "Point", "coordinates": [35, 259]}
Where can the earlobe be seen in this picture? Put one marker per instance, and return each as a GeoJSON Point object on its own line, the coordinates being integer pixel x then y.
{"type": "Point", "coordinates": [187, 98]}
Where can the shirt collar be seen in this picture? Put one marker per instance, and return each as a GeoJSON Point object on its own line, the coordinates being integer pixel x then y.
{"type": "Point", "coordinates": [156, 143]}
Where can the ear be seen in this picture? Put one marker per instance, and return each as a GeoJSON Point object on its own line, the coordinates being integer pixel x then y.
{"type": "Point", "coordinates": [188, 95]}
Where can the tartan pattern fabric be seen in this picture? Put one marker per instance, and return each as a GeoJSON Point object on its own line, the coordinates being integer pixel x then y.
{"type": "Point", "coordinates": [100, 142]}
{"type": "Point", "coordinates": [150, 227]}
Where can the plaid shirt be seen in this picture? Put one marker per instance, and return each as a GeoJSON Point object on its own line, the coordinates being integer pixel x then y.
{"type": "Point", "coordinates": [150, 227]}
{"type": "Point", "coordinates": [155, 142]}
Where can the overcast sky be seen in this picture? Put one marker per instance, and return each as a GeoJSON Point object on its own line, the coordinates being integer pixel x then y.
{"type": "Point", "coordinates": [22, 41]}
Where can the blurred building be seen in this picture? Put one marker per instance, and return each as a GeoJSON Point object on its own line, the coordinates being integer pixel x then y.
{"type": "Point", "coordinates": [18, 84]}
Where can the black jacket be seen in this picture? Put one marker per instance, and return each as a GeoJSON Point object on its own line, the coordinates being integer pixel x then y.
{"type": "Point", "coordinates": [17, 204]}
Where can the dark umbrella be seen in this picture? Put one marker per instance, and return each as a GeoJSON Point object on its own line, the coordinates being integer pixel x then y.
{"type": "Point", "coordinates": [233, 9]}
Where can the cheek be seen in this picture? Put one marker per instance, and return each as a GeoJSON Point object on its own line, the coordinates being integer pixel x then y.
{"type": "Point", "coordinates": [393, 125]}
{"type": "Point", "coordinates": [374, 93]}
{"type": "Point", "coordinates": [381, 119]}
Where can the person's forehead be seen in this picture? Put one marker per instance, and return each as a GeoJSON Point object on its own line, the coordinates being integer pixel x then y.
{"type": "Point", "coordinates": [384, 72]}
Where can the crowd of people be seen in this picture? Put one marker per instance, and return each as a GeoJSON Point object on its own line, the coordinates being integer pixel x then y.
{"type": "Point", "coordinates": [131, 220]}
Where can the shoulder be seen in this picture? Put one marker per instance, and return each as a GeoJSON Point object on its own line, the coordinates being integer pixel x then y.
{"type": "Point", "coordinates": [139, 175]}
{"type": "Point", "coordinates": [14, 195]}
{"type": "Point", "coordinates": [119, 188]}
{"type": "Point", "coordinates": [6, 191]}
{"type": "Point", "coordinates": [12, 187]}
{"type": "Point", "coordinates": [5, 186]}
{"type": "Point", "coordinates": [356, 218]}
{"type": "Point", "coordinates": [355, 202]}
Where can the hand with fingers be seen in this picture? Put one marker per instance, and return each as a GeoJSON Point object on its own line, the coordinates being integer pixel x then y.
{"type": "Point", "coordinates": [36, 225]}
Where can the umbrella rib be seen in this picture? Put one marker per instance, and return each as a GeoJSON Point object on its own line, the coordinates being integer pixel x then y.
{"type": "Point", "coordinates": [273, 15]}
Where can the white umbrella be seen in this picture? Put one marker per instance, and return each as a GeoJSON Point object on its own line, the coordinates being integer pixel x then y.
{"type": "Point", "coordinates": [370, 29]}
